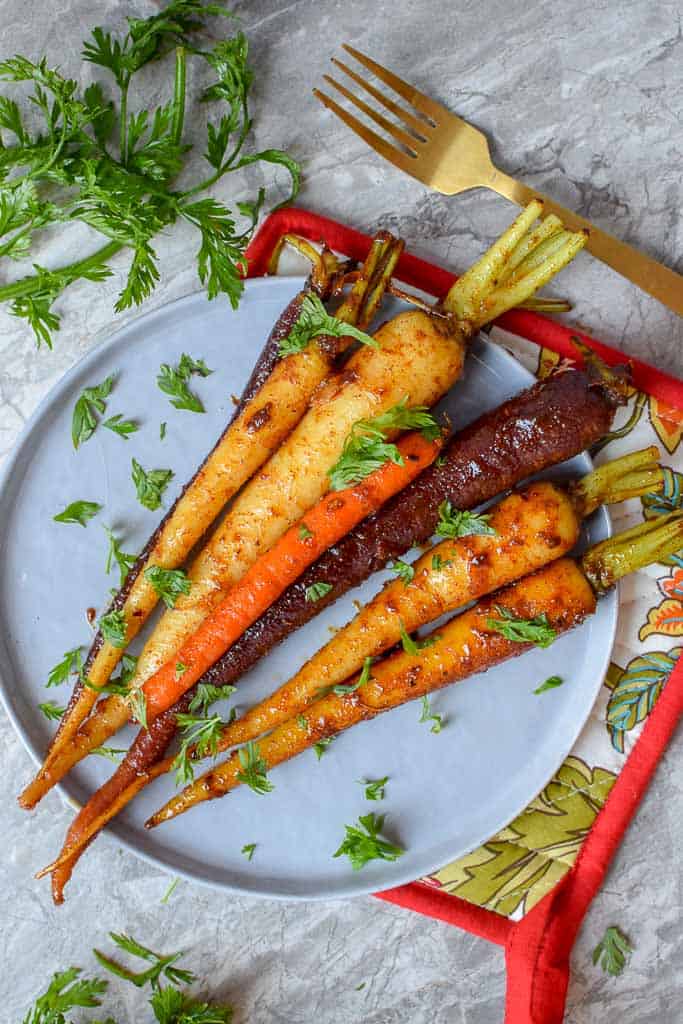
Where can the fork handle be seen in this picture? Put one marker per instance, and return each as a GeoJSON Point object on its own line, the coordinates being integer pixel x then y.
{"type": "Point", "coordinates": [654, 278]}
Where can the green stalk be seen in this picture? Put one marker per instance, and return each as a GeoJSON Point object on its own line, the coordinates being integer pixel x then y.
{"type": "Point", "coordinates": [548, 226]}
{"type": "Point", "coordinates": [32, 283]}
{"type": "Point", "coordinates": [351, 306]}
{"type": "Point", "coordinates": [627, 477]}
{"type": "Point", "coordinates": [651, 541]}
{"type": "Point", "coordinates": [179, 89]}
{"type": "Point", "coordinates": [123, 126]}
{"type": "Point", "coordinates": [380, 283]}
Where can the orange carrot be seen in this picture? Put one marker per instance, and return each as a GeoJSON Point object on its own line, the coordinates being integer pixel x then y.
{"type": "Point", "coordinates": [328, 521]}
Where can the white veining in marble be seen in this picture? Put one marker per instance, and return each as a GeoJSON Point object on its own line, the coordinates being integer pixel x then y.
{"type": "Point", "coordinates": [584, 102]}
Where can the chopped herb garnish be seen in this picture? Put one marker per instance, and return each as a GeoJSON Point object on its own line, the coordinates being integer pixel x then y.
{"type": "Point", "coordinates": [440, 460]}
{"type": "Point", "coordinates": [374, 789]}
{"type": "Point", "coordinates": [162, 966]}
{"type": "Point", "coordinates": [438, 563]}
{"type": "Point", "coordinates": [427, 716]}
{"type": "Point", "coordinates": [92, 401]}
{"type": "Point", "coordinates": [151, 485]}
{"type": "Point", "coordinates": [71, 662]}
{"type": "Point", "coordinates": [314, 320]}
{"type": "Point", "coordinates": [403, 570]}
{"type": "Point", "coordinates": [341, 689]}
{"type": "Point", "coordinates": [411, 646]}
{"type": "Point", "coordinates": [111, 753]}
{"type": "Point", "coordinates": [612, 951]}
{"type": "Point", "coordinates": [550, 684]}
{"type": "Point", "coordinates": [206, 694]}
{"type": "Point", "coordinates": [304, 532]}
{"type": "Point", "coordinates": [359, 988]}
{"type": "Point", "coordinates": [120, 426]}
{"type": "Point", "coordinates": [168, 583]}
{"type": "Point", "coordinates": [51, 710]}
{"type": "Point", "coordinates": [317, 590]}
{"type": "Point", "coordinates": [113, 626]}
{"type": "Point", "coordinates": [169, 892]}
{"type": "Point", "coordinates": [200, 733]}
{"type": "Point", "coordinates": [254, 769]}
{"type": "Point", "coordinates": [124, 561]}
{"type": "Point", "coordinates": [173, 381]}
{"type": "Point", "coordinates": [302, 722]}
{"type": "Point", "coordinates": [366, 448]}
{"type": "Point", "coordinates": [115, 687]}
{"type": "Point", "coordinates": [364, 844]}
{"type": "Point", "coordinates": [454, 523]}
{"type": "Point", "coordinates": [162, 431]}
{"type": "Point", "coordinates": [78, 512]}
{"type": "Point", "coordinates": [138, 705]}
{"type": "Point", "coordinates": [248, 850]}
{"type": "Point", "coordinates": [321, 746]}
{"type": "Point", "coordinates": [536, 631]}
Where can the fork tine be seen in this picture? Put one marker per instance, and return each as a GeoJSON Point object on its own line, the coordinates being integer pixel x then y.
{"type": "Point", "coordinates": [417, 124]}
{"type": "Point", "coordinates": [409, 141]}
{"type": "Point", "coordinates": [429, 107]}
{"type": "Point", "coordinates": [395, 156]}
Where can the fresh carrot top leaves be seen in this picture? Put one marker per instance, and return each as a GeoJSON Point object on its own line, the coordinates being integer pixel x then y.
{"type": "Point", "coordinates": [366, 448]}
{"type": "Point", "coordinates": [374, 789]}
{"type": "Point", "coordinates": [321, 746]}
{"type": "Point", "coordinates": [202, 734]}
{"type": "Point", "coordinates": [79, 512]}
{"type": "Point", "coordinates": [124, 561]}
{"type": "Point", "coordinates": [612, 951]}
{"type": "Point", "coordinates": [113, 626]}
{"type": "Point", "coordinates": [151, 485]}
{"type": "Point", "coordinates": [65, 992]}
{"type": "Point", "coordinates": [304, 532]}
{"type": "Point", "coordinates": [343, 688]}
{"type": "Point", "coordinates": [314, 320]}
{"type": "Point", "coordinates": [206, 693]}
{"type": "Point", "coordinates": [364, 843]}
{"type": "Point", "coordinates": [427, 716]}
{"type": "Point", "coordinates": [454, 523]}
{"type": "Point", "coordinates": [551, 683]}
{"type": "Point", "coordinates": [173, 381]}
{"type": "Point", "coordinates": [92, 401]}
{"type": "Point", "coordinates": [120, 426]}
{"type": "Point", "coordinates": [536, 631]}
{"type": "Point", "coordinates": [248, 850]}
{"type": "Point", "coordinates": [254, 769]}
{"type": "Point", "coordinates": [414, 646]}
{"type": "Point", "coordinates": [317, 590]}
{"type": "Point", "coordinates": [403, 570]}
{"type": "Point", "coordinates": [168, 583]}
{"type": "Point", "coordinates": [70, 662]}
{"type": "Point", "coordinates": [51, 710]}
{"type": "Point", "coordinates": [162, 966]}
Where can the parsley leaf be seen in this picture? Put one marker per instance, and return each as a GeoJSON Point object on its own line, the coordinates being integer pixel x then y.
{"type": "Point", "coordinates": [321, 746]}
{"type": "Point", "coordinates": [413, 647]}
{"type": "Point", "coordinates": [403, 570]}
{"type": "Point", "coordinates": [374, 790]}
{"type": "Point", "coordinates": [173, 381]}
{"type": "Point", "coordinates": [169, 584]}
{"type": "Point", "coordinates": [314, 320]}
{"type": "Point", "coordinates": [366, 448]}
{"type": "Point", "coordinates": [612, 951]}
{"type": "Point", "coordinates": [200, 733]}
{"type": "Point", "coordinates": [438, 563]}
{"type": "Point", "coordinates": [317, 590]}
{"type": "Point", "coordinates": [51, 710]}
{"type": "Point", "coordinates": [248, 850]}
{"type": "Point", "coordinates": [138, 705]}
{"type": "Point", "coordinates": [427, 716]}
{"type": "Point", "coordinates": [62, 670]}
{"type": "Point", "coordinates": [162, 966]}
{"type": "Point", "coordinates": [120, 426]}
{"type": "Point", "coordinates": [111, 753]}
{"type": "Point", "coordinates": [454, 523]}
{"type": "Point", "coordinates": [124, 561]}
{"type": "Point", "coordinates": [536, 631]}
{"type": "Point", "coordinates": [207, 694]}
{"type": "Point", "coordinates": [151, 485]}
{"type": "Point", "coordinates": [254, 768]}
{"type": "Point", "coordinates": [65, 992]}
{"type": "Point", "coordinates": [364, 844]}
{"type": "Point", "coordinates": [341, 689]}
{"type": "Point", "coordinates": [550, 684]}
{"type": "Point", "coordinates": [79, 512]}
{"type": "Point", "coordinates": [91, 401]}
{"type": "Point", "coordinates": [304, 532]}
{"type": "Point", "coordinates": [113, 626]}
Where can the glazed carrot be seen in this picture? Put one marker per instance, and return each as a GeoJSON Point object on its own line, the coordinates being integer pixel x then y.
{"type": "Point", "coordinates": [560, 596]}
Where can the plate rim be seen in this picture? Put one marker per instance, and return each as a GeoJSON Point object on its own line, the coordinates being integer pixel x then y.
{"type": "Point", "coordinates": [114, 831]}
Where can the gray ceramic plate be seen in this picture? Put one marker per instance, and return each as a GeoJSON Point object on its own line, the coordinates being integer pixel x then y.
{"type": "Point", "coordinates": [447, 793]}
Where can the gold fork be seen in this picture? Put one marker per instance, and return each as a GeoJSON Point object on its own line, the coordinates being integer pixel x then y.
{"type": "Point", "coordinates": [448, 154]}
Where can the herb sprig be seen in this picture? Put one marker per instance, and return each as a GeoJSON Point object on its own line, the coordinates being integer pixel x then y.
{"type": "Point", "coordinates": [173, 381]}
{"type": "Point", "coordinates": [254, 769]}
{"type": "Point", "coordinates": [79, 512]}
{"type": "Point", "coordinates": [314, 320]}
{"type": "Point", "coordinates": [363, 842]}
{"type": "Point", "coordinates": [169, 584]}
{"type": "Point", "coordinates": [612, 951]}
{"type": "Point", "coordinates": [115, 169]}
{"type": "Point", "coordinates": [454, 523]}
{"type": "Point", "coordinates": [537, 631]}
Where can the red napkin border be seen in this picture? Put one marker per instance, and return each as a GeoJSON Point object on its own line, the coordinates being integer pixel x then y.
{"type": "Point", "coordinates": [537, 948]}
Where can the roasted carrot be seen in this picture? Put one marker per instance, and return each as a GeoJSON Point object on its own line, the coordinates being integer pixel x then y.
{"type": "Point", "coordinates": [560, 596]}
{"type": "Point", "coordinates": [275, 400]}
{"type": "Point", "coordinates": [521, 533]}
{"type": "Point", "coordinates": [419, 357]}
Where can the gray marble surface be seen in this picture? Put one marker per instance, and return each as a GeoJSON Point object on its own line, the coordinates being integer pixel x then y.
{"type": "Point", "coordinates": [582, 102]}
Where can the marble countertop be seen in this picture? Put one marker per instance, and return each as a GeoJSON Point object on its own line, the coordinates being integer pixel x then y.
{"type": "Point", "coordinates": [586, 107]}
